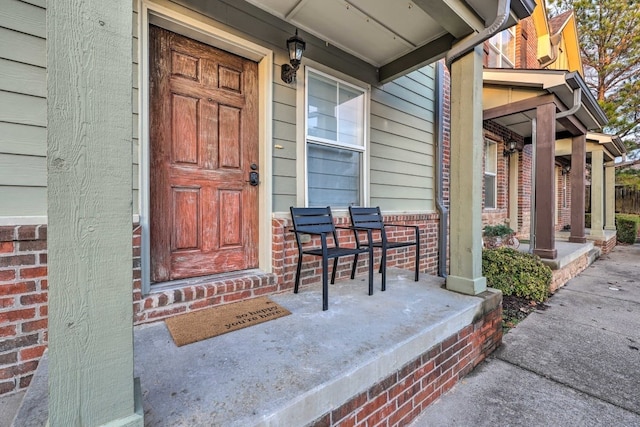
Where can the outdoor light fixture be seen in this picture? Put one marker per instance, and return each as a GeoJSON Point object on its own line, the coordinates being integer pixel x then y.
{"type": "Point", "coordinates": [510, 147]}
{"type": "Point", "coordinates": [566, 169]}
{"type": "Point", "coordinates": [295, 46]}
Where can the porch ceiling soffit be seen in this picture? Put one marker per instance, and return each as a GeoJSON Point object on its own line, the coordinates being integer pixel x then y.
{"type": "Point", "coordinates": [531, 88]}
{"type": "Point", "coordinates": [594, 141]}
{"type": "Point", "coordinates": [384, 39]}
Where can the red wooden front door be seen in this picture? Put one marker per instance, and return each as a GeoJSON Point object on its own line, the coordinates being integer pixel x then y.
{"type": "Point", "coordinates": [203, 147]}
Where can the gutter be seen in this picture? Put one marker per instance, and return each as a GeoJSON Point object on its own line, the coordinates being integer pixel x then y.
{"type": "Point", "coordinates": [464, 47]}
{"type": "Point", "coordinates": [443, 212]}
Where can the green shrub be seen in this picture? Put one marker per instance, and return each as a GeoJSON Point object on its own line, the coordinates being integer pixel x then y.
{"type": "Point", "coordinates": [516, 273]}
{"type": "Point", "coordinates": [627, 227]}
{"type": "Point", "coordinates": [499, 230]}
{"type": "Point", "coordinates": [587, 220]}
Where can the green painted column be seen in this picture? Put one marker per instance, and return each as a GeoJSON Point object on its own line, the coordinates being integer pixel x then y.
{"type": "Point", "coordinates": [467, 150]}
{"type": "Point", "coordinates": [89, 158]}
{"type": "Point", "coordinates": [610, 198]}
{"type": "Point", "coordinates": [578, 166]}
{"type": "Point", "coordinates": [597, 193]}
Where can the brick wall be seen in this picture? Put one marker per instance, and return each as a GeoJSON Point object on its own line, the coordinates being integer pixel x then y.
{"type": "Point", "coordinates": [23, 285]}
{"type": "Point", "coordinates": [23, 303]}
{"type": "Point", "coordinates": [526, 45]}
{"type": "Point", "coordinates": [401, 397]}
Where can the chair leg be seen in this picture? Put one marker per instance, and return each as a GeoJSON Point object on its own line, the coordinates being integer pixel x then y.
{"type": "Point", "coordinates": [383, 267]}
{"type": "Point", "coordinates": [325, 285]}
{"type": "Point", "coordinates": [417, 259]}
{"type": "Point", "coordinates": [370, 270]}
{"type": "Point", "coordinates": [333, 273]}
{"type": "Point", "coordinates": [298, 268]}
{"type": "Point", "coordinates": [353, 267]}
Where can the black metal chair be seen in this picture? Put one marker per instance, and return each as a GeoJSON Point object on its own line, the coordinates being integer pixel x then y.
{"type": "Point", "coordinates": [371, 219]}
{"type": "Point", "coordinates": [319, 222]}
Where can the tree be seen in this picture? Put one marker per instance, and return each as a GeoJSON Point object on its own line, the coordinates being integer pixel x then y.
{"type": "Point", "coordinates": [610, 48]}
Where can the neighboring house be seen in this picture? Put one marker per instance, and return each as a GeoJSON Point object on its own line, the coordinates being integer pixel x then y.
{"type": "Point", "coordinates": [200, 81]}
{"type": "Point", "coordinates": [529, 66]}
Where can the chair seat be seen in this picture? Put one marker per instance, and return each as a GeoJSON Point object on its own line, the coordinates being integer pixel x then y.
{"type": "Point", "coordinates": [335, 252]}
{"type": "Point", "coordinates": [390, 245]}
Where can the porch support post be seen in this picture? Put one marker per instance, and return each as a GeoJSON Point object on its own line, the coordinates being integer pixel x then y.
{"type": "Point", "coordinates": [513, 191]}
{"type": "Point", "coordinates": [578, 166]}
{"type": "Point", "coordinates": [597, 193]}
{"type": "Point", "coordinates": [89, 214]}
{"type": "Point", "coordinates": [545, 182]}
{"type": "Point", "coordinates": [610, 198]}
{"type": "Point", "coordinates": [467, 149]}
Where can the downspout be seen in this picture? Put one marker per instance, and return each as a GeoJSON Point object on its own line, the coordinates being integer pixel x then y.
{"type": "Point", "coordinates": [462, 48]}
{"type": "Point", "coordinates": [577, 99]}
{"type": "Point", "coordinates": [443, 212]}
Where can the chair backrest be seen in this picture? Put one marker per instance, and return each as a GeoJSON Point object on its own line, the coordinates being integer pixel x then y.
{"type": "Point", "coordinates": [313, 220]}
{"type": "Point", "coordinates": [366, 217]}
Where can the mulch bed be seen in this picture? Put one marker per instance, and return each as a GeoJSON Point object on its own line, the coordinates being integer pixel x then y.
{"type": "Point", "coordinates": [516, 309]}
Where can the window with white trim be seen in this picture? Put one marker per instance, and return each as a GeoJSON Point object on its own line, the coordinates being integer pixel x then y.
{"type": "Point", "coordinates": [335, 141]}
{"type": "Point", "coordinates": [502, 49]}
{"type": "Point", "coordinates": [490, 175]}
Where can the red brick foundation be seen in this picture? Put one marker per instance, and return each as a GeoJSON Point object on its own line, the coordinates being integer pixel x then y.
{"type": "Point", "coordinates": [23, 286]}
{"type": "Point", "coordinates": [401, 397]}
{"type": "Point", "coordinates": [23, 303]}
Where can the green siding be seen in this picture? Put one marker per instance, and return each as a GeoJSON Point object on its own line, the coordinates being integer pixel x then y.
{"type": "Point", "coordinates": [284, 136]}
{"type": "Point", "coordinates": [23, 116]}
{"type": "Point", "coordinates": [23, 109]}
{"type": "Point", "coordinates": [401, 149]}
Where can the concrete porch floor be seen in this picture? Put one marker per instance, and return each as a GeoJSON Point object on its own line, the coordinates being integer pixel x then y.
{"type": "Point", "coordinates": [291, 370]}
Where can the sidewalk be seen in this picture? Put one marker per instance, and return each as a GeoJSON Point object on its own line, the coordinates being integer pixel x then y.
{"type": "Point", "coordinates": [575, 364]}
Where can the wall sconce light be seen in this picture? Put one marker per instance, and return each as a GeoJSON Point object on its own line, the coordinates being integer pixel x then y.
{"type": "Point", "coordinates": [295, 46]}
{"type": "Point", "coordinates": [566, 169]}
{"type": "Point", "coordinates": [510, 147]}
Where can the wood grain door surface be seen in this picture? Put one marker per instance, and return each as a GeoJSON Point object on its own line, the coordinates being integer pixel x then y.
{"type": "Point", "coordinates": [203, 145]}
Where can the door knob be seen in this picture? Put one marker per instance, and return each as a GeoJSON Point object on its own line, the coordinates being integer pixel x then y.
{"type": "Point", "coordinates": [254, 178]}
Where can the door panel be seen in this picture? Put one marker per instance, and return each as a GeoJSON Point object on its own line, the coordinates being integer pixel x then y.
{"type": "Point", "coordinates": [203, 142]}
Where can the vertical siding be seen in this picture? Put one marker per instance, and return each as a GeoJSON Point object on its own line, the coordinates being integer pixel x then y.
{"type": "Point", "coordinates": [402, 138]}
{"type": "Point", "coordinates": [23, 108]}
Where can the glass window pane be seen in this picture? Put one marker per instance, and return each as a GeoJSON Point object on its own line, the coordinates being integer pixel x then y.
{"type": "Point", "coordinates": [351, 116]}
{"type": "Point", "coordinates": [321, 110]}
{"type": "Point", "coordinates": [333, 176]}
{"type": "Point", "coordinates": [491, 158]}
{"type": "Point", "coordinates": [508, 46]}
{"type": "Point", "coordinates": [489, 191]}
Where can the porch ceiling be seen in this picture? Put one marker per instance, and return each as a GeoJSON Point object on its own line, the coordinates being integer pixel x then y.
{"type": "Point", "coordinates": [510, 98]}
{"type": "Point", "coordinates": [394, 37]}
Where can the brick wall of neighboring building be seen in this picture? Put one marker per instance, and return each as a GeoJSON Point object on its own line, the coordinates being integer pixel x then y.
{"type": "Point", "coordinates": [500, 134]}
{"type": "Point", "coordinates": [23, 303]}
{"type": "Point", "coordinates": [526, 45]}
{"type": "Point", "coordinates": [401, 397]}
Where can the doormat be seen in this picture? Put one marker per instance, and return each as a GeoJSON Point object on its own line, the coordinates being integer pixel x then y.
{"type": "Point", "coordinates": [200, 325]}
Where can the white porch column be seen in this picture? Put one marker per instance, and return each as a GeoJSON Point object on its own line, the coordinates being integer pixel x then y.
{"type": "Point", "coordinates": [513, 191]}
{"type": "Point", "coordinates": [610, 198]}
{"type": "Point", "coordinates": [597, 193]}
{"type": "Point", "coordinates": [467, 148]}
{"type": "Point", "coordinates": [89, 214]}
